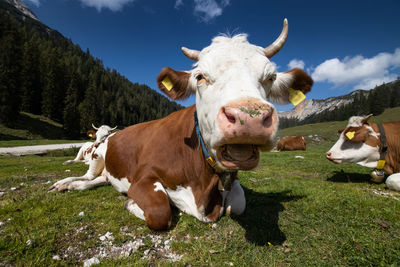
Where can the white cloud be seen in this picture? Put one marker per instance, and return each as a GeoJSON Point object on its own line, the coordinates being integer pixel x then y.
{"type": "Point", "coordinates": [371, 83]}
{"type": "Point", "coordinates": [114, 5]}
{"type": "Point", "coordinates": [178, 4]}
{"type": "Point", "coordinates": [209, 9]}
{"type": "Point", "coordinates": [35, 2]}
{"type": "Point", "coordinates": [365, 73]}
{"type": "Point", "coordinates": [296, 63]}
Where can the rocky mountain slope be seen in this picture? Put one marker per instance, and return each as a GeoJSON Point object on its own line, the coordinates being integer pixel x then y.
{"type": "Point", "coordinates": [315, 106]}
{"type": "Point", "coordinates": [18, 4]}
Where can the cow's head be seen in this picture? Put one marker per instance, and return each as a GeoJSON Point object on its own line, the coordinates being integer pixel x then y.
{"type": "Point", "coordinates": [103, 131]}
{"type": "Point", "coordinates": [358, 143]}
{"type": "Point", "coordinates": [233, 81]}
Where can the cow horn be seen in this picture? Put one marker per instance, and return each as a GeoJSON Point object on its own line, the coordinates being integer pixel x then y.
{"type": "Point", "coordinates": [274, 48]}
{"type": "Point", "coordinates": [191, 53]}
{"type": "Point", "coordinates": [366, 118]}
{"type": "Point", "coordinates": [112, 129]}
{"type": "Point", "coordinates": [94, 127]}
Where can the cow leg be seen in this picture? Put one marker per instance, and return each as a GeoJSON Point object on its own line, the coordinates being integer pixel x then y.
{"type": "Point", "coordinates": [83, 185]}
{"type": "Point", "coordinates": [149, 202]}
{"type": "Point", "coordinates": [133, 208]}
{"type": "Point", "coordinates": [393, 182]}
{"type": "Point", "coordinates": [235, 201]}
{"type": "Point", "coordinates": [78, 157]}
{"type": "Point", "coordinates": [96, 166]}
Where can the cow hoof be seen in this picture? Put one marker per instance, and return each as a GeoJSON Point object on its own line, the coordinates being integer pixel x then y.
{"type": "Point", "coordinates": [58, 187]}
{"type": "Point", "coordinates": [228, 210]}
{"type": "Point", "coordinates": [51, 189]}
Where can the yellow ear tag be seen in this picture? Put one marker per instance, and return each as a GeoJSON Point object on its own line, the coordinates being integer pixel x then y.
{"type": "Point", "coordinates": [90, 135]}
{"type": "Point", "coordinates": [296, 96]}
{"type": "Point", "coordinates": [167, 83]}
{"type": "Point", "coordinates": [381, 164]}
{"type": "Point", "coordinates": [350, 135]}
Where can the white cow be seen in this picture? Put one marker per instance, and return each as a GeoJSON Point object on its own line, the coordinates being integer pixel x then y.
{"type": "Point", "coordinates": [86, 150]}
{"type": "Point", "coordinates": [364, 143]}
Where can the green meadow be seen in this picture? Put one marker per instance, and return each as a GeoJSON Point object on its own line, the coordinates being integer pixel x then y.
{"type": "Point", "coordinates": [302, 210]}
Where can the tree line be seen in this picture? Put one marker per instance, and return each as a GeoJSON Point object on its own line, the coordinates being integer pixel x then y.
{"type": "Point", "coordinates": [41, 72]}
{"type": "Point", "coordinates": [374, 102]}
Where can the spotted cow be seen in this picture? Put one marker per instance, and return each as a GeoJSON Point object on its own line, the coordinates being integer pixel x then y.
{"type": "Point", "coordinates": [191, 157]}
{"type": "Point", "coordinates": [87, 149]}
{"type": "Point", "coordinates": [370, 145]}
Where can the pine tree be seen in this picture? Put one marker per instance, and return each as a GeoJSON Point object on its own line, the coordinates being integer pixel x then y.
{"type": "Point", "coordinates": [71, 115]}
{"type": "Point", "coordinates": [10, 68]}
{"type": "Point", "coordinates": [30, 77]}
{"type": "Point", "coordinates": [90, 108]}
{"type": "Point", "coordinates": [54, 87]}
{"type": "Point", "coordinates": [375, 103]}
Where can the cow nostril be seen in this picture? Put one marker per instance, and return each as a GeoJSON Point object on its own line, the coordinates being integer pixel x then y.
{"type": "Point", "coordinates": [229, 117]}
{"type": "Point", "coordinates": [267, 122]}
{"type": "Point", "coordinates": [328, 154]}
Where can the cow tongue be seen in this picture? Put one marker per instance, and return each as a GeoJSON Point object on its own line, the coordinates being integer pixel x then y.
{"type": "Point", "coordinates": [240, 152]}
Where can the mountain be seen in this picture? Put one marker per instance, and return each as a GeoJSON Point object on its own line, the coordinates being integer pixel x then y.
{"type": "Point", "coordinates": [18, 4]}
{"type": "Point", "coordinates": [310, 107]}
{"type": "Point", "coordinates": [359, 102]}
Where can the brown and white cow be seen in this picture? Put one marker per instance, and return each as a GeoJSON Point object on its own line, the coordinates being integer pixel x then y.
{"type": "Point", "coordinates": [361, 143]}
{"type": "Point", "coordinates": [290, 143]}
{"type": "Point", "coordinates": [87, 149]}
{"type": "Point", "coordinates": [163, 162]}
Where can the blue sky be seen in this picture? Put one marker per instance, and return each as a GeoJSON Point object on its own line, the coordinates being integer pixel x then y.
{"type": "Point", "coordinates": [343, 45]}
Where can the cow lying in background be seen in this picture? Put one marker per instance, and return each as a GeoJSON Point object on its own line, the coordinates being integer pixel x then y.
{"type": "Point", "coordinates": [86, 150]}
{"type": "Point", "coordinates": [363, 143]}
{"type": "Point", "coordinates": [290, 143]}
{"type": "Point", "coordinates": [191, 157]}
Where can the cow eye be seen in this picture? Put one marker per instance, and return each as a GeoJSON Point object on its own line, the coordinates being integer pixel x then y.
{"type": "Point", "coordinates": [271, 77]}
{"type": "Point", "coordinates": [199, 77]}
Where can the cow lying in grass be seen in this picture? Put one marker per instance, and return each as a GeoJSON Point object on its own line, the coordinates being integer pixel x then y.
{"type": "Point", "coordinates": [290, 143]}
{"type": "Point", "coordinates": [85, 152]}
{"type": "Point", "coordinates": [190, 158]}
{"type": "Point", "coordinates": [365, 144]}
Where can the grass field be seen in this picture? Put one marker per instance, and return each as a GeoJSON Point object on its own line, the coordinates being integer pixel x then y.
{"type": "Point", "coordinates": [300, 212]}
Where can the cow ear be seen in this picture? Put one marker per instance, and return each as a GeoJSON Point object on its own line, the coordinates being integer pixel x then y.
{"type": "Point", "coordinates": [91, 134]}
{"type": "Point", "coordinates": [360, 136]}
{"type": "Point", "coordinates": [175, 84]}
{"type": "Point", "coordinates": [356, 134]}
{"type": "Point", "coordinates": [295, 79]}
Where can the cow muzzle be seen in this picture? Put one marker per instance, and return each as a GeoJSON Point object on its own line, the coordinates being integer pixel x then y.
{"type": "Point", "coordinates": [246, 126]}
{"type": "Point", "coordinates": [329, 156]}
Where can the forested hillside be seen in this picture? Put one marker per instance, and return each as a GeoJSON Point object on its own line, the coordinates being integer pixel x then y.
{"type": "Point", "coordinates": [41, 72]}
{"type": "Point", "coordinates": [374, 102]}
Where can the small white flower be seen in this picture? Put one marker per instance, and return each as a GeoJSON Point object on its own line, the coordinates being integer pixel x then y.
{"type": "Point", "coordinates": [56, 258]}
{"type": "Point", "coordinates": [91, 261]}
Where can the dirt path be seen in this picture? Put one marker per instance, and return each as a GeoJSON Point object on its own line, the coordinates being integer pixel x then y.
{"type": "Point", "coordinates": [29, 150]}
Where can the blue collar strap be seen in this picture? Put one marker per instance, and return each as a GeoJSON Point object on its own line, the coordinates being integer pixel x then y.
{"type": "Point", "coordinates": [209, 159]}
